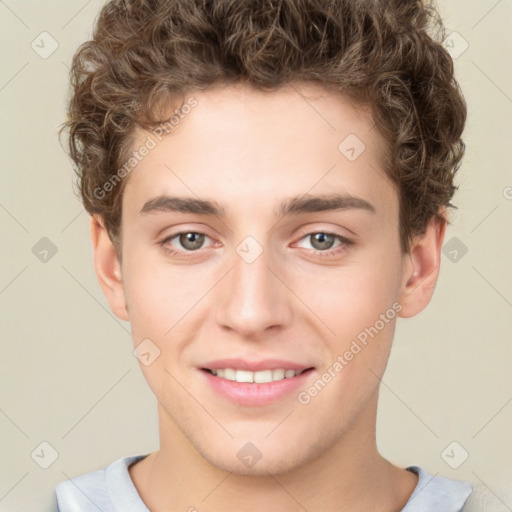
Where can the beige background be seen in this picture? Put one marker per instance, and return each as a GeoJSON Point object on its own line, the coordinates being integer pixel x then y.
{"type": "Point", "coordinates": [68, 374]}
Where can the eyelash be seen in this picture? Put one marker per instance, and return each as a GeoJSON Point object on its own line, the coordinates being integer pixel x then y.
{"type": "Point", "coordinates": [345, 243]}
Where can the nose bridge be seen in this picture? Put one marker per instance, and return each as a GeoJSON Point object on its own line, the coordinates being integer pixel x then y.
{"type": "Point", "coordinates": [253, 299]}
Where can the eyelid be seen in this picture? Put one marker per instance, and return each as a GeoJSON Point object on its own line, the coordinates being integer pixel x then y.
{"type": "Point", "coordinates": [314, 228]}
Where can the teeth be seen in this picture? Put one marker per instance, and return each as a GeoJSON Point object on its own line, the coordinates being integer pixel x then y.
{"type": "Point", "coordinates": [244, 376]}
{"type": "Point", "coordinates": [229, 374]}
{"type": "Point", "coordinates": [263, 376]}
{"type": "Point", "coordinates": [260, 377]}
{"type": "Point", "coordinates": [278, 374]}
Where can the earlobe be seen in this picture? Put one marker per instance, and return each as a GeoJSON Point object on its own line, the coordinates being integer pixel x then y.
{"type": "Point", "coordinates": [421, 268]}
{"type": "Point", "coordinates": [108, 268]}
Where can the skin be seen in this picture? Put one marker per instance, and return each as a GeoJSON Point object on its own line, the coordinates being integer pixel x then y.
{"type": "Point", "coordinates": [249, 151]}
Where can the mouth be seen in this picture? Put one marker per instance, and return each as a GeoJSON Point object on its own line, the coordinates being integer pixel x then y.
{"type": "Point", "coordinates": [255, 384]}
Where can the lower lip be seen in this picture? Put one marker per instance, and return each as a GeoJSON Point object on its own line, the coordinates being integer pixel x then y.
{"type": "Point", "coordinates": [252, 394]}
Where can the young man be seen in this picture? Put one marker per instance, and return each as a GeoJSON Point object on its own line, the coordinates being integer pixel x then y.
{"type": "Point", "coordinates": [268, 185]}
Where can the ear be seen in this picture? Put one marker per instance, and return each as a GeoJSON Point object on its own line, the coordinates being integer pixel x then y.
{"type": "Point", "coordinates": [421, 267]}
{"type": "Point", "coordinates": [108, 269]}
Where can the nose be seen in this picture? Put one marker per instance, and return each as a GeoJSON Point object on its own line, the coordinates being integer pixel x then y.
{"type": "Point", "coordinates": [253, 298]}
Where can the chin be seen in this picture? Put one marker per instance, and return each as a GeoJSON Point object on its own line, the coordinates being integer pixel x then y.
{"type": "Point", "coordinates": [272, 459]}
{"type": "Point", "coordinates": [273, 466]}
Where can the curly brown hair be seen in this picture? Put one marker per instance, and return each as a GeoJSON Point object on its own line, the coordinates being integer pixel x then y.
{"type": "Point", "coordinates": [385, 54]}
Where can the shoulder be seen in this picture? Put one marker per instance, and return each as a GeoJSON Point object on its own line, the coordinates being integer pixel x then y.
{"type": "Point", "coordinates": [82, 492]}
{"type": "Point", "coordinates": [97, 489]}
{"type": "Point", "coordinates": [434, 493]}
{"type": "Point", "coordinates": [497, 499]}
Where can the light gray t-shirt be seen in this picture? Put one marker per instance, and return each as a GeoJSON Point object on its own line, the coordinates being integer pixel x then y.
{"type": "Point", "coordinates": [112, 490]}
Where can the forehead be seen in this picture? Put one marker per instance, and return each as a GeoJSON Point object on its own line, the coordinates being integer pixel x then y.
{"type": "Point", "coordinates": [244, 145]}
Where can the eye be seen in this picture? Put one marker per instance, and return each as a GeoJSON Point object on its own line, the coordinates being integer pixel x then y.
{"type": "Point", "coordinates": [189, 240]}
{"type": "Point", "coordinates": [323, 242]}
{"type": "Point", "coordinates": [320, 242]}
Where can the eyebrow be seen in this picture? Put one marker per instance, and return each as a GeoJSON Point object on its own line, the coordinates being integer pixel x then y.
{"type": "Point", "coordinates": [295, 205]}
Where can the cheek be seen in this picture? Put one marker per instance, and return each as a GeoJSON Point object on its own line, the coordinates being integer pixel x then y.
{"type": "Point", "coordinates": [147, 302]}
{"type": "Point", "coordinates": [158, 303]}
{"type": "Point", "coordinates": [358, 305]}
{"type": "Point", "coordinates": [159, 296]}
{"type": "Point", "coordinates": [350, 299]}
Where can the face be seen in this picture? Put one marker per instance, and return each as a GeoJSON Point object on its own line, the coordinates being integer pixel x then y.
{"type": "Point", "coordinates": [260, 243]}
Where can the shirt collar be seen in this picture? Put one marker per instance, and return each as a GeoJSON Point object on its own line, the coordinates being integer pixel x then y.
{"type": "Point", "coordinates": [434, 493]}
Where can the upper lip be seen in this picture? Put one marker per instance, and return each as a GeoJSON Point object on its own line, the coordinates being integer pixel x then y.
{"type": "Point", "coordinates": [254, 366]}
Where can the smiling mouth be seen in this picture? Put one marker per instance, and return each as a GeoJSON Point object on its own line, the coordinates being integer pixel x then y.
{"type": "Point", "coordinates": [259, 377]}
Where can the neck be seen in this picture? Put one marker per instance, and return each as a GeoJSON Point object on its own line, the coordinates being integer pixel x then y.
{"type": "Point", "coordinates": [351, 475]}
